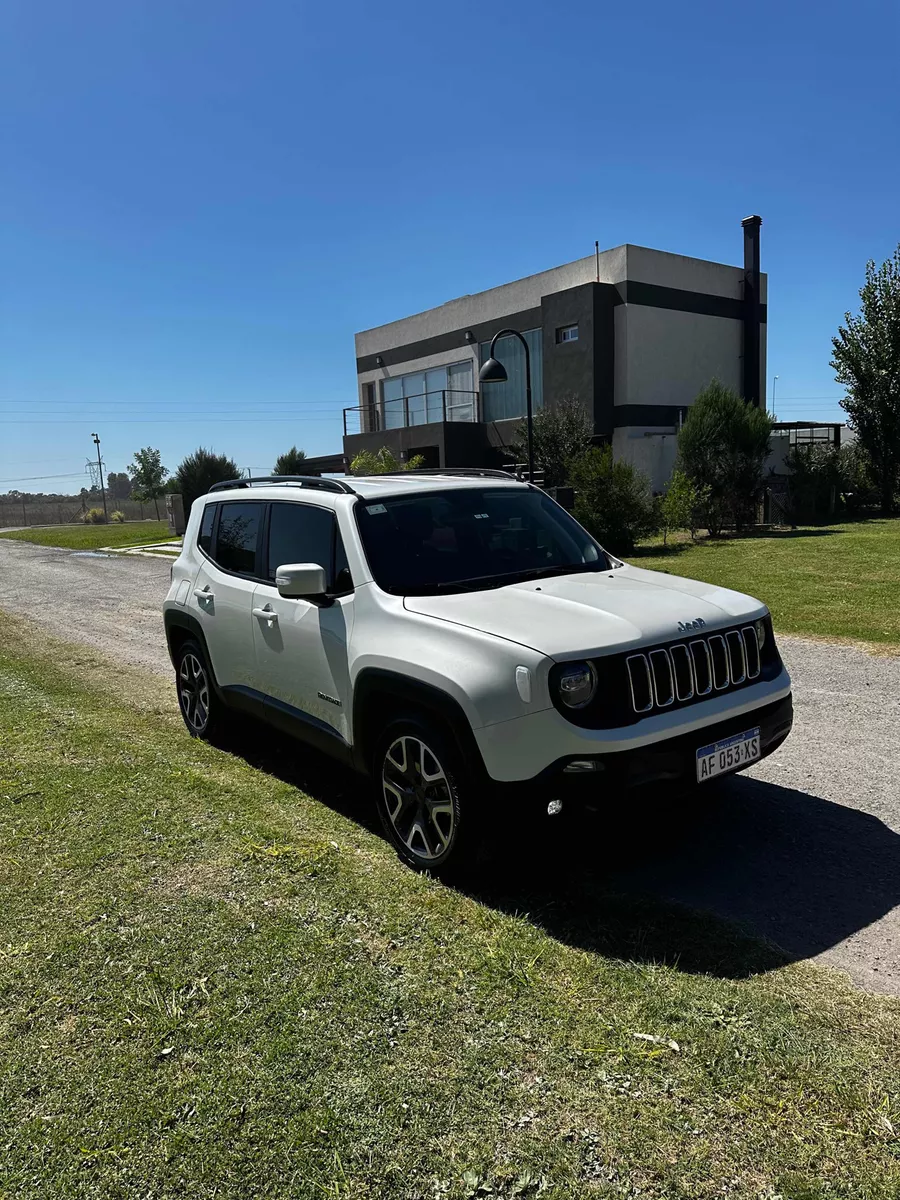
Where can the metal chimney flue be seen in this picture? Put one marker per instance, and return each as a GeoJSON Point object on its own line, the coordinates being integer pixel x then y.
{"type": "Point", "coordinates": [752, 311]}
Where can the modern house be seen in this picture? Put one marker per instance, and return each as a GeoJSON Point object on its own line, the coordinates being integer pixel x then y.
{"type": "Point", "coordinates": [633, 333]}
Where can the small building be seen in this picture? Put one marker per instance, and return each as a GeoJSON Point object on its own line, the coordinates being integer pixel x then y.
{"type": "Point", "coordinates": [634, 333]}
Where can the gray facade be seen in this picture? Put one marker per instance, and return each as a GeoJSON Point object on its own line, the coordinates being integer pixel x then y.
{"type": "Point", "coordinates": [634, 333]}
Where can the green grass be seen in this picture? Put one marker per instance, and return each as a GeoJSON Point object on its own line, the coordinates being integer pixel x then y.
{"type": "Point", "coordinates": [837, 581]}
{"type": "Point", "coordinates": [90, 537]}
{"type": "Point", "coordinates": [212, 985]}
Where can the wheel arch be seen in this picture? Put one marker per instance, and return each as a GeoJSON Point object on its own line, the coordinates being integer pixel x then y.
{"type": "Point", "coordinates": [377, 691]}
{"type": "Point", "coordinates": [181, 627]}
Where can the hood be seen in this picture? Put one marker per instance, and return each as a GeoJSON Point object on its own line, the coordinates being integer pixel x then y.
{"type": "Point", "coordinates": [578, 615]}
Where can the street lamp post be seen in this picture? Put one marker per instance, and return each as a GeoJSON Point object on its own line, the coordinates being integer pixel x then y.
{"type": "Point", "coordinates": [100, 467]}
{"type": "Point", "coordinates": [775, 378]}
{"type": "Point", "coordinates": [494, 371]}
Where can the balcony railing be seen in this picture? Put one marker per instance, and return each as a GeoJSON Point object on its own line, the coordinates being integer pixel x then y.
{"type": "Point", "coordinates": [406, 411]}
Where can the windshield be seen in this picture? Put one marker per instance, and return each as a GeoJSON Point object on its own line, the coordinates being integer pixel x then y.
{"type": "Point", "coordinates": [471, 539]}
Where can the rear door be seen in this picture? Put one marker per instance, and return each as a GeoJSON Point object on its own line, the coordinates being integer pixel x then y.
{"type": "Point", "coordinates": [222, 594]}
{"type": "Point", "coordinates": [301, 649]}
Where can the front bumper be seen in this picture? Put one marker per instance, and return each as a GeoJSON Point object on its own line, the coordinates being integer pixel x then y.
{"type": "Point", "coordinates": [527, 747]}
{"type": "Point", "coordinates": [671, 763]}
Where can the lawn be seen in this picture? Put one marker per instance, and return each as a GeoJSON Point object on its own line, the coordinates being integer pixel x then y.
{"type": "Point", "coordinates": [212, 985]}
{"type": "Point", "coordinates": [840, 581]}
{"type": "Point", "coordinates": [90, 537]}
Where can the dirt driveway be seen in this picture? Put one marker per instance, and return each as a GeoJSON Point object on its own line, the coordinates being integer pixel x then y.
{"type": "Point", "coordinates": [805, 848]}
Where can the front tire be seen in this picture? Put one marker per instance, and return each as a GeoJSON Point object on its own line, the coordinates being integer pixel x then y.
{"type": "Point", "coordinates": [424, 797]}
{"type": "Point", "coordinates": [201, 708]}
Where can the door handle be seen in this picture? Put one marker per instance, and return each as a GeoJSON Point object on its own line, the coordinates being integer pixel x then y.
{"type": "Point", "coordinates": [267, 614]}
{"type": "Point", "coordinates": [203, 594]}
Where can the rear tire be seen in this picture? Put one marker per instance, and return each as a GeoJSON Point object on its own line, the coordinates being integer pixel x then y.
{"type": "Point", "coordinates": [201, 709]}
{"type": "Point", "coordinates": [426, 799]}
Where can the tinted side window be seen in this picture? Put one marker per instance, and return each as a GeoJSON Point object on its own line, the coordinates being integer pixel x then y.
{"type": "Point", "coordinates": [237, 536]}
{"type": "Point", "coordinates": [302, 533]}
{"type": "Point", "coordinates": [204, 538]}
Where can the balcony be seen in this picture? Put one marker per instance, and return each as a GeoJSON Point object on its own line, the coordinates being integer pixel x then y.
{"type": "Point", "coordinates": [405, 412]}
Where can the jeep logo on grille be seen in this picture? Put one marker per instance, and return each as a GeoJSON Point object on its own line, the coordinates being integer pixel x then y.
{"type": "Point", "coordinates": [686, 626]}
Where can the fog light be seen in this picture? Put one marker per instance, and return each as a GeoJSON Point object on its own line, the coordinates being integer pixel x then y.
{"type": "Point", "coordinates": [580, 765]}
{"type": "Point", "coordinates": [554, 807]}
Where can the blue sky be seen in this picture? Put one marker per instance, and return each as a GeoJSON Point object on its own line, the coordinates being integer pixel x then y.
{"type": "Point", "coordinates": [203, 200]}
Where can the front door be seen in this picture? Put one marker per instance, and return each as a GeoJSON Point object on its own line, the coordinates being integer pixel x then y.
{"type": "Point", "coordinates": [301, 649]}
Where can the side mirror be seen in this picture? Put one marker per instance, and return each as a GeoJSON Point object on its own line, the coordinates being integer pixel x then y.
{"type": "Point", "coordinates": [304, 581]}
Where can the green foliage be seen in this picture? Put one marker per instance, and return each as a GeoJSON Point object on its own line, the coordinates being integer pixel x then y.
{"type": "Point", "coordinates": [199, 471]}
{"type": "Point", "coordinates": [95, 516]}
{"type": "Point", "coordinates": [147, 476]}
{"type": "Point", "coordinates": [825, 480]}
{"type": "Point", "coordinates": [681, 504]}
{"type": "Point", "coordinates": [612, 499]}
{"type": "Point", "coordinates": [866, 359]}
{"type": "Point", "coordinates": [290, 463]}
{"type": "Point", "coordinates": [560, 434]}
{"type": "Point", "coordinates": [859, 489]}
{"type": "Point", "coordinates": [117, 517]}
{"type": "Point", "coordinates": [118, 485]}
{"type": "Point", "coordinates": [382, 462]}
{"type": "Point", "coordinates": [722, 447]}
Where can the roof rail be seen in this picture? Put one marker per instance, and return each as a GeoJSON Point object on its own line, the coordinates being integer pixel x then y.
{"type": "Point", "coordinates": [310, 481]}
{"type": "Point", "coordinates": [484, 472]}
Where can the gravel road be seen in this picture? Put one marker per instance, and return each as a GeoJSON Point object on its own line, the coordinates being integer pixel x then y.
{"type": "Point", "coordinates": [804, 848]}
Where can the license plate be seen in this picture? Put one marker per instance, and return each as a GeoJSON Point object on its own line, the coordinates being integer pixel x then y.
{"type": "Point", "coordinates": [730, 755]}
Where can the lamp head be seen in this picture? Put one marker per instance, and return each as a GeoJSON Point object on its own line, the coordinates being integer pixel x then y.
{"type": "Point", "coordinates": [493, 371]}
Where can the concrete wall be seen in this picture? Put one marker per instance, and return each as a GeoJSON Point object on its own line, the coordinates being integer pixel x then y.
{"type": "Point", "coordinates": [493, 304]}
{"type": "Point", "coordinates": [668, 356]}
{"type": "Point", "coordinates": [652, 451]}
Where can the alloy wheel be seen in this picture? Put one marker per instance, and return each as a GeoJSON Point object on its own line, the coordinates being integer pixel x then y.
{"type": "Point", "coordinates": [193, 692]}
{"type": "Point", "coordinates": [418, 798]}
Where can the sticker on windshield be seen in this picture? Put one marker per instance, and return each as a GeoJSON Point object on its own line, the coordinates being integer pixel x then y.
{"type": "Point", "coordinates": [375, 509]}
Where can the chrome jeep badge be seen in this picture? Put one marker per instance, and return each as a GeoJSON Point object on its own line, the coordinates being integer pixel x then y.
{"type": "Point", "coordinates": [686, 626]}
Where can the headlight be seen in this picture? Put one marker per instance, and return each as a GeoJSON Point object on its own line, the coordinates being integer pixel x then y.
{"type": "Point", "coordinates": [577, 684]}
{"type": "Point", "coordinates": [761, 633]}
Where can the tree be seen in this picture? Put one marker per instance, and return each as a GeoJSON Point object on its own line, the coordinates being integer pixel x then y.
{"type": "Point", "coordinates": [612, 499]}
{"type": "Point", "coordinates": [680, 505]}
{"type": "Point", "coordinates": [382, 462]}
{"type": "Point", "coordinates": [866, 359]}
{"type": "Point", "coordinates": [148, 476]}
{"type": "Point", "coordinates": [559, 435]}
{"type": "Point", "coordinates": [119, 485]}
{"type": "Point", "coordinates": [721, 448]}
{"type": "Point", "coordinates": [290, 463]}
{"type": "Point", "coordinates": [199, 471]}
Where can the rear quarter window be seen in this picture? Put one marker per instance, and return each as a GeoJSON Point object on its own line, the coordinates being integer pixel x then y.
{"type": "Point", "coordinates": [204, 538]}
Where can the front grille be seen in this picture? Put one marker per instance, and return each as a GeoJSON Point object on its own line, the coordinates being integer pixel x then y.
{"type": "Point", "coordinates": [694, 669]}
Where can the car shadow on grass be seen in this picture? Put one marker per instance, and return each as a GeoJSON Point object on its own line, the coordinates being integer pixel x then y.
{"type": "Point", "coordinates": [749, 878]}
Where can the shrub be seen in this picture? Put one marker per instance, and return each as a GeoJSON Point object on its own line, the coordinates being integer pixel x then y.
{"type": "Point", "coordinates": [612, 499]}
{"type": "Point", "coordinates": [722, 447]}
{"type": "Point", "coordinates": [680, 505]}
{"type": "Point", "coordinates": [199, 471]}
{"type": "Point", "coordinates": [859, 490]}
{"type": "Point", "coordinates": [95, 516]}
{"type": "Point", "coordinates": [382, 462]}
{"type": "Point", "coordinates": [290, 463]}
{"type": "Point", "coordinates": [117, 517]}
{"type": "Point", "coordinates": [560, 434]}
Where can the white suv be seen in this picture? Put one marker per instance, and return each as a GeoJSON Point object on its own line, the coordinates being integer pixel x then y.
{"type": "Point", "coordinates": [452, 632]}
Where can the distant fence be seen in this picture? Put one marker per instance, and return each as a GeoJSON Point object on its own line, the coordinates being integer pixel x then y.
{"type": "Point", "coordinates": [68, 510]}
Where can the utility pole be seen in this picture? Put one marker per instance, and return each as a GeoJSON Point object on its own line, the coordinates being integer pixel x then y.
{"type": "Point", "coordinates": [775, 379]}
{"type": "Point", "coordinates": [100, 468]}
